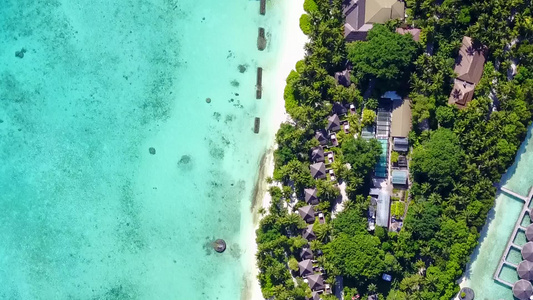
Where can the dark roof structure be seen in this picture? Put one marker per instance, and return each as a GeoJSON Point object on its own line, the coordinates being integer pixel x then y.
{"type": "Point", "coordinates": [374, 192]}
{"type": "Point", "coordinates": [462, 93]}
{"type": "Point", "coordinates": [305, 267]}
{"type": "Point", "coordinates": [415, 32]}
{"type": "Point", "coordinates": [307, 213]}
{"type": "Point", "coordinates": [525, 270]}
{"type": "Point", "coordinates": [529, 233]}
{"type": "Point", "coordinates": [317, 154]}
{"type": "Point", "coordinates": [362, 14]}
{"type": "Point", "coordinates": [400, 144]}
{"type": "Point", "coordinates": [321, 136]}
{"type": "Point", "coordinates": [402, 161]}
{"type": "Point", "coordinates": [314, 296]}
{"type": "Point", "coordinates": [318, 170]}
{"type": "Point", "coordinates": [315, 282]}
{"type": "Point", "coordinates": [527, 251]}
{"type": "Point", "coordinates": [306, 253]}
{"type": "Point", "coordinates": [469, 68]}
{"type": "Point", "coordinates": [522, 289]}
{"type": "Point", "coordinates": [308, 233]}
{"type": "Point", "coordinates": [469, 63]}
{"type": "Point", "coordinates": [310, 196]}
{"type": "Point", "coordinates": [399, 177]}
{"type": "Point", "coordinates": [334, 123]}
{"type": "Point", "coordinates": [339, 109]}
{"type": "Point", "coordinates": [468, 292]}
{"type": "Point", "coordinates": [343, 78]}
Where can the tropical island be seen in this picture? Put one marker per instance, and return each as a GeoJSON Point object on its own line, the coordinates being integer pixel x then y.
{"type": "Point", "coordinates": [403, 117]}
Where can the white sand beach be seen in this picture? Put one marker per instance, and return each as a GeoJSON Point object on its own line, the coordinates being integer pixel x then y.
{"type": "Point", "coordinates": [292, 50]}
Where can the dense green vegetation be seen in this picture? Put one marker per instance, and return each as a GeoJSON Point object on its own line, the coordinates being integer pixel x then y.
{"type": "Point", "coordinates": [458, 155]}
{"type": "Point", "coordinates": [386, 57]}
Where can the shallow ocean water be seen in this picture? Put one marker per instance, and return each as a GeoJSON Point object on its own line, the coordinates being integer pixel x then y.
{"type": "Point", "coordinates": [87, 211]}
{"type": "Point", "coordinates": [496, 233]}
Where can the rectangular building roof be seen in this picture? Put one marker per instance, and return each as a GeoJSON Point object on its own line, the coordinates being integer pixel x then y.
{"type": "Point", "coordinates": [401, 118]}
{"type": "Point", "coordinates": [469, 63]}
{"type": "Point", "coordinates": [400, 144]}
{"type": "Point", "coordinates": [383, 210]}
{"type": "Point", "coordinates": [399, 177]}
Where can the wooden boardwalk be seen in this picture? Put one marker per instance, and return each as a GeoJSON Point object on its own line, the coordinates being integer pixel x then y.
{"type": "Point", "coordinates": [518, 226]}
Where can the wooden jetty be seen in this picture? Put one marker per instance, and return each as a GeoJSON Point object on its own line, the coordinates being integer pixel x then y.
{"type": "Point", "coordinates": [262, 7]}
{"type": "Point", "coordinates": [256, 125]}
{"type": "Point", "coordinates": [516, 195]}
{"type": "Point", "coordinates": [518, 227]}
{"type": "Point", "coordinates": [261, 40]}
{"type": "Point", "coordinates": [259, 83]}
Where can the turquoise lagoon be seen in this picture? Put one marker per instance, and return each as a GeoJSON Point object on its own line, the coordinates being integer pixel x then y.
{"type": "Point", "coordinates": [87, 211]}
{"type": "Point", "coordinates": [500, 225]}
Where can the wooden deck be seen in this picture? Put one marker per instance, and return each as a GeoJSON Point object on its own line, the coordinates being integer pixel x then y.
{"type": "Point", "coordinates": [262, 7]}
{"type": "Point", "coordinates": [259, 83]}
{"type": "Point", "coordinates": [261, 39]}
{"type": "Point", "coordinates": [518, 226]}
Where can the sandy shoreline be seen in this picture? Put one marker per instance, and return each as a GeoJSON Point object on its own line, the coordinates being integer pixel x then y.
{"type": "Point", "coordinates": [292, 50]}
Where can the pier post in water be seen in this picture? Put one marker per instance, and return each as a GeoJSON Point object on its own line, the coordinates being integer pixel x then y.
{"type": "Point", "coordinates": [256, 125]}
{"type": "Point", "coordinates": [259, 83]}
{"type": "Point", "coordinates": [261, 40]}
{"type": "Point", "coordinates": [262, 7]}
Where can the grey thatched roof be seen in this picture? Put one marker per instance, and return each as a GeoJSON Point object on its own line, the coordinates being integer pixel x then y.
{"type": "Point", "coordinates": [321, 136]}
{"type": "Point", "coordinates": [308, 233]}
{"type": "Point", "coordinates": [318, 170]}
{"type": "Point", "coordinates": [468, 292]}
{"type": "Point", "coordinates": [334, 123]}
{"type": "Point", "coordinates": [307, 213]}
{"type": "Point", "coordinates": [306, 253]}
{"type": "Point", "coordinates": [522, 289]}
{"type": "Point", "coordinates": [527, 251]}
{"type": "Point", "coordinates": [314, 296]}
{"type": "Point", "coordinates": [343, 78]}
{"type": "Point", "coordinates": [529, 233]}
{"type": "Point", "coordinates": [310, 196]}
{"type": "Point", "coordinates": [305, 267]}
{"type": "Point", "coordinates": [339, 109]}
{"type": "Point", "coordinates": [317, 154]}
{"type": "Point", "coordinates": [316, 282]}
{"type": "Point", "coordinates": [525, 270]}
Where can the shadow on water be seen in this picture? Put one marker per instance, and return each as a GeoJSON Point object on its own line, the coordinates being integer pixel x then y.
{"type": "Point", "coordinates": [492, 213]}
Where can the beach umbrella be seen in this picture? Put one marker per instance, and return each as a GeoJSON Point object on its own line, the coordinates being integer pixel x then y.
{"type": "Point", "coordinates": [527, 251]}
{"type": "Point", "coordinates": [525, 270]}
{"type": "Point", "coordinates": [522, 289]}
{"type": "Point", "coordinates": [529, 232]}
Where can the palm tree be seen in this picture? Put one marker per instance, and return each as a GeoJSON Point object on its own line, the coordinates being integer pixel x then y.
{"type": "Point", "coordinates": [372, 288]}
{"type": "Point", "coordinates": [322, 231]}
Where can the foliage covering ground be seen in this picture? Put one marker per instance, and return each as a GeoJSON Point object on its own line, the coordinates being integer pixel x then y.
{"type": "Point", "coordinates": [458, 155]}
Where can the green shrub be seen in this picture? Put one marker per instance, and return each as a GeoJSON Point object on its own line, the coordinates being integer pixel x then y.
{"type": "Point", "coordinates": [293, 264]}
{"type": "Point", "coordinates": [369, 117]}
{"type": "Point", "coordinates": [305, 24]}
{"type": "Point", "coordinates": [310, 6]}
{"type": "Point", "coordinates": [300, 66]}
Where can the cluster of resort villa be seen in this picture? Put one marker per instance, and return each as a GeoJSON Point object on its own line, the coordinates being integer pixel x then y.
{"type": "Point", "coordinates": [390, 179]}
